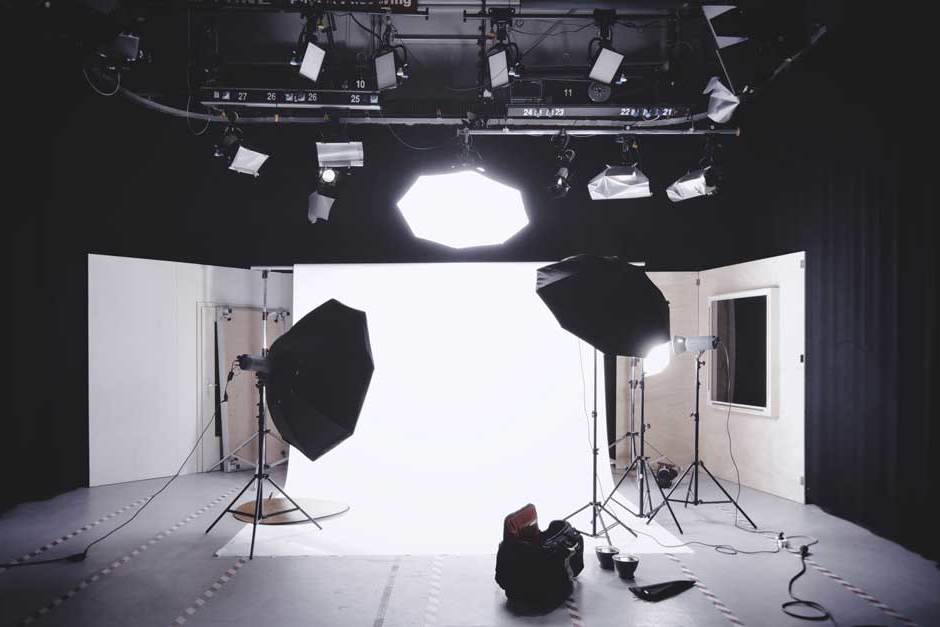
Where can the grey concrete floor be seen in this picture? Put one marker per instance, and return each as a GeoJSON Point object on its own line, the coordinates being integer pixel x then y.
{"type": "Point", "coordinates": [160, 570]}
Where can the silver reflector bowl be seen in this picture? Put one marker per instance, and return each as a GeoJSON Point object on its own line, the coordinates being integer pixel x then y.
{"type": "Point", "coordinates": [692, 185]}
{"type": "Point", "coordinates": [619, 181]}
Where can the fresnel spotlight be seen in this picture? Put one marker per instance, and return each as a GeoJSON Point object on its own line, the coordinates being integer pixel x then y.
{"type": "Point", "coordinates": [237, 156]}
{"type": "Point", "coordinates": [564, 157]}
{"type": "Point", "coordinates": [624, 180]}
{"type": "Point", "coordinates": [461, 206]}
{"type": "Point", "coordinates": [335, 161]}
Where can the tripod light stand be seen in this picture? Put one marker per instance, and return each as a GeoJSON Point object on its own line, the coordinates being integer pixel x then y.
{"type": "Point", "coordinates": [314, 380]}
{"type": "Point", "coordinates": [692, 492]}
{"type": "Point", "coordinates": [640, 462]}
{"type": "Point", "coordinates": [613, 306]}
{"type": "Point", "coordinates": [261, 470]}
{"type": "Point", "coordinates": [596, 506]}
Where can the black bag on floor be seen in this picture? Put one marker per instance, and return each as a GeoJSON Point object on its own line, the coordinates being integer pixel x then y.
{"type": "Point", "coordinates": [536, 568]}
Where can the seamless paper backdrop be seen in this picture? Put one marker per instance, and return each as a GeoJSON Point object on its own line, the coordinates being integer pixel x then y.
{"type": "Point", "coordinates": [478, 405]}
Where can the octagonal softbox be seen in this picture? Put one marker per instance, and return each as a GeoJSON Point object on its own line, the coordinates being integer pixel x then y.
{"type": "Point", "coordinates": [607, 302]}
{"type": "Point", "coordinates": [319, 373]}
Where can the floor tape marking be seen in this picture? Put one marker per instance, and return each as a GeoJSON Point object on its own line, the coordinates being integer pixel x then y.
{"type": "Point", "coordinates": [893, 613]}
{"type": "Point", "coordinates": [200, 601]}
{"type": "Point", "coordinates": [54, 543]}
{"type": "Point", "coordinates": [721, 607]}
{"type": "Point", "coordinates": [90, 579]}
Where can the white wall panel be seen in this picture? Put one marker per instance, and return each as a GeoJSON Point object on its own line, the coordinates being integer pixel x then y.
{"type": "Point", "coordinates": [143, 358]}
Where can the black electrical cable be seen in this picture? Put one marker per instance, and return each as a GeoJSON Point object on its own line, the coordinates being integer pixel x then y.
{"type": "Point", "coordinates": [822, 614]}
{"type": "Point", "coordinates": [80, 556]}
{"type": "Point", "coordinates": [364, 27]}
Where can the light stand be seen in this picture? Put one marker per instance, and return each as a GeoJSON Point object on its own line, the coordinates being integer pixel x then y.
{"type": "Point", "coordinates": [596, 506]}
{"type": "Point", "coordinates": [261, 469]}
{"type": "Point", "coordinates": [692, 489]}
{"type": "Point", "coordinates": [640, 462]}
{"type": "Point", "coordinates": [260, 476]}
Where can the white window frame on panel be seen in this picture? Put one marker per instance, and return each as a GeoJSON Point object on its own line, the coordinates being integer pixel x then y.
{"type": "Point", "coordinates": [771, 409]}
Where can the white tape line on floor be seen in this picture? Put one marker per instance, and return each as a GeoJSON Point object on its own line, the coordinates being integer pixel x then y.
{"type": "Point", "coordinates": [209, 593]}
{"type": "Point", "coordinates": [886, 609]}
{"type": "Point", "coordinates": [36, 552]}
{"type": "Point", "coordinates": [719, 605]}
{"type": "Point", "coordinates": [433, 606]}
{"type": "Point", "coordinates": [107, 570]}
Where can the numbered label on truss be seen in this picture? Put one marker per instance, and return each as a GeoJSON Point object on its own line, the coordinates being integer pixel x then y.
{"type": "Point", "coordinates": [291, 98]}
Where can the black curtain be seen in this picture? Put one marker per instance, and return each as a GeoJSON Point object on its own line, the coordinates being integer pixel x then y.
{"type": "Point", "coordinates": [840, 179]}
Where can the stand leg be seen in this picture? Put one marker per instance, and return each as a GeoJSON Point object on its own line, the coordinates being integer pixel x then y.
{"type": "Point", "coordinates": [666, 503]}
{"type": "Point", "coordinates": [293, 502]}
{"type": "Point", "coordinates": [617, 520]}
{"type": "Point", "coordinates": [577, 511]}
{"type": "Point", "coordinates": [622, 479]}
{"type": "Point", "coordinates": [254, 522]}
{"type": "Point", "coordinates": [722, 488]}
{"type": "Point", "coordinates": [597, 512]}
{"type": "Point", "coordinates": [668, 496]}
{"type": "Point", "coordinates": [692, 480]}
{"type": "Point", "coordinates": [228, 507]}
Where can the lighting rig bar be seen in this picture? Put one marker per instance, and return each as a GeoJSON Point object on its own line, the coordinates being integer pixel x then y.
{"type": "Point", "coordinates": [381, 7]}
{"type": "Point", "coordinates": [630, 113]}
{"type": "Point", "coordinates": [591, 132]}
{"type": "Point", "coordinates": [277, 98]}
{"type": "Point", "coordinates": [647, 17]}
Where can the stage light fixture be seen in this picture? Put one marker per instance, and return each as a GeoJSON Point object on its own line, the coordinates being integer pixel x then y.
{"type": "Point", "coordinates": [703, 181]}
{"type": "Point", "coordinates": [239, 158]}
{"type": "Point", "coordinates": [386, 75]}
{"type": "Point", "coordinates": [606, 66]}
{"type": "Point", "coordinates": [463, 208]}
{"type": "Point", "coordinates": [312, 62]}
{"type": "Point", "coordinates": [622, 181]}
{"type": "Point", "coordinates": [390, 69]}
{"type": "Point", "coordinates": [692, 185]}
{"type": "Point", "coordinates": [320, 201]}
{"type": "Point", "coordinates": [561, 180]}
{"type": "Point", "coordinates": [694, 344]}
{"type": "Point", "coordinates": [327, 175]}
{"type": "Point", "coordinates": [498, 62]}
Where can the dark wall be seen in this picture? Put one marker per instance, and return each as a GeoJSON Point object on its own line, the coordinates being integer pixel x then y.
{"type": "Point", "coordinates": [825, 165]}
{"type": "Point", "coordinates": [845, 174]}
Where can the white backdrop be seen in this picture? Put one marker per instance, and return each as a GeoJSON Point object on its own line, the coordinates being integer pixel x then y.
{"type": "Point", "coordinates": [479, 404]}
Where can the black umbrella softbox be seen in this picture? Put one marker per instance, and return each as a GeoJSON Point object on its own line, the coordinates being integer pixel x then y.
{"type": "Point", "coordinates": [606, 302]}
{"type": "Point", "coordinates": [318, 376]}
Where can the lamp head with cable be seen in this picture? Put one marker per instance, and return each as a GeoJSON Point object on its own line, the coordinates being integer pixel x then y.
{"type": "Point", "coordinates": [694, 343]}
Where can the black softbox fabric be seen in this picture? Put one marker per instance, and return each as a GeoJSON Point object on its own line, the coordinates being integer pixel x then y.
{"type": "Point", "coordinates": [607, 302]}
{"type": "Point", "coordinates": [320, 371]}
